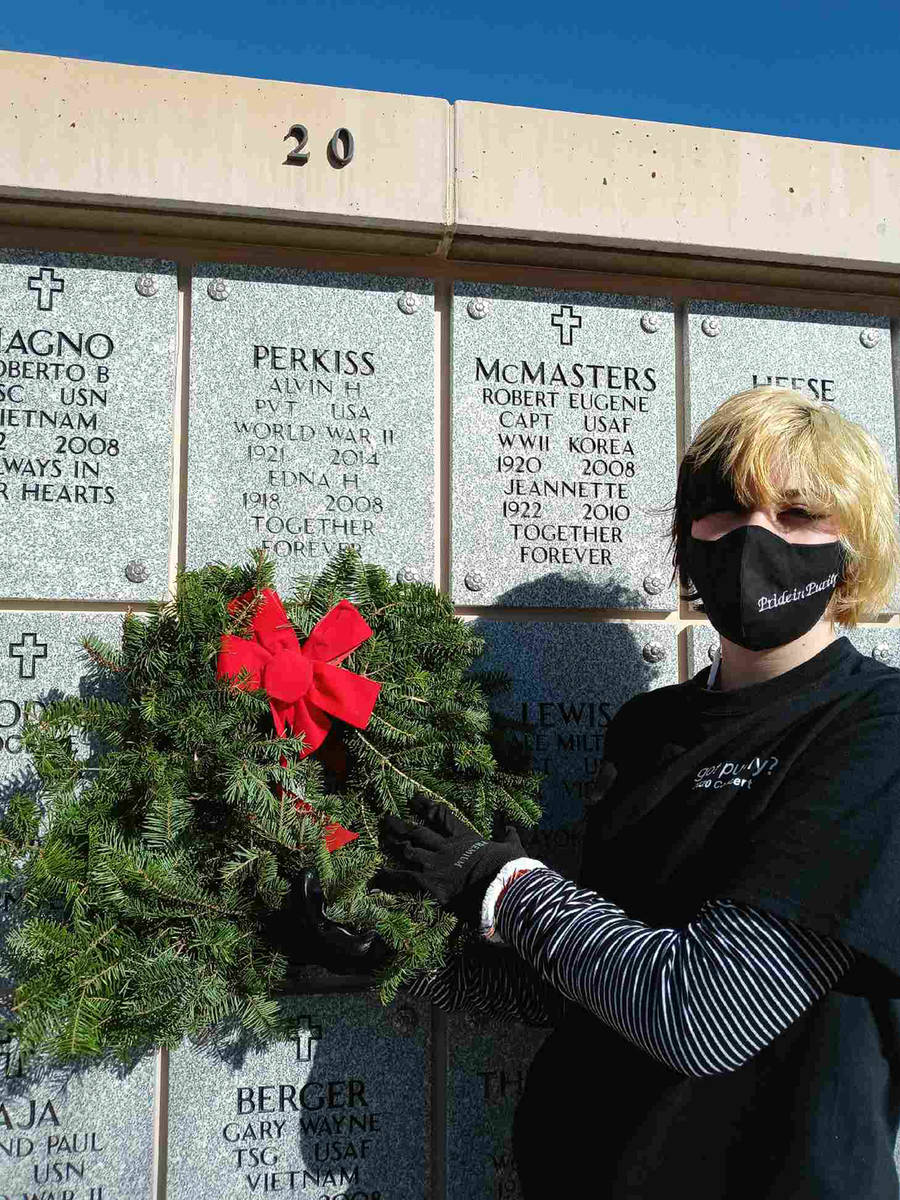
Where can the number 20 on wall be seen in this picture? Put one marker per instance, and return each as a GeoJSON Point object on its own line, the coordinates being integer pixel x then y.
{"type": "Point", "coordinates": [339, 152]}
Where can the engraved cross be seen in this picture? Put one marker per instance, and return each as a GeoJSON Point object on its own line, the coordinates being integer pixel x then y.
{"type": "Point", "coordinates": [45, 283]}
{"type": "Point", "coordinates": [566, 320]}
{"type": "Point", "coordinates": [304, 1052]}
{"type": "Point", "coordinates": [27, 650]}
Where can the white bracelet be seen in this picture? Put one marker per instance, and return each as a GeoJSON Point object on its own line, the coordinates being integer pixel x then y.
{"type": "Point", "coordinates": [497, 885]}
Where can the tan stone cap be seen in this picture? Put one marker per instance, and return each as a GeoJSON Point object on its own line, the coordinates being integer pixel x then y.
{"type": "Point", "coordinates": [110, 136]}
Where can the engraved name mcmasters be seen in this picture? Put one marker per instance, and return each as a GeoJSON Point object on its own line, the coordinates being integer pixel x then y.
{"type": "Point", "coordinates": [603, 400]}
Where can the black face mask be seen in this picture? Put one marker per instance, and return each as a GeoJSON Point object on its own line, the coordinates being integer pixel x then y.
{"type": "Point", "coordinates": [759, 590]}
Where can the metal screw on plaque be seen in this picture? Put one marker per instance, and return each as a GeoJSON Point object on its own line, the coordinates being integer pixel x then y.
{"type": "Point", "coordinates": [653, 585]}
{"type": "Point", "coordinates": [870, 338]}
{"type": "Point", "coordinates": [146, 285]}
{"type": "Point", "coordinates": [408, 575]}
{"type": "Point", "coordinates": [477, 308]}
{"type": "Point", "coordinates": [474, 581]}
{"type": "Point", "coordinates": [403, 1018]}
{"type": "Point", "coordinates": [883, 653]}
{"type": "Point", "coordinates": [650, 322]}
{"type": "Point", "coordinates": [408, 302]}
{"type": "Point", "coordinates": [136, 572]}
{"type": "Point", "coordinates": [653, 652]}
{"type": "Point", "coordinates": [218, 289]}
{"type": "Point", "coordinates": [711, 326]}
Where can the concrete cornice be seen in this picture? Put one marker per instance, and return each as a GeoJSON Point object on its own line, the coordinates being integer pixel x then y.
{"type": "Point", "coordinates": [105, 147]}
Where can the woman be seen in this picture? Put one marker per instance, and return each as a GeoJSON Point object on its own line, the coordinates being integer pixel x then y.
{"type": "Point", "coordinates": [724, 979]}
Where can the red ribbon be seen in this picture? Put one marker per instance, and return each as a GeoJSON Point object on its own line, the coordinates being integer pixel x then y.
{"type": "Point", "coordinates": [305, 685]}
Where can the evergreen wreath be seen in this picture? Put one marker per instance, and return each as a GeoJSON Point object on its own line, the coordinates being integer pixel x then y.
{"type": "Point", "coordinates": [168, 880]}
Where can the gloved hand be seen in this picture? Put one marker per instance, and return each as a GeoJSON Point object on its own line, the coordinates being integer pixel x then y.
{"type": "Point", "coordinates": [307, 937]}
{"type": "Point", "coordinates": [444, 857]}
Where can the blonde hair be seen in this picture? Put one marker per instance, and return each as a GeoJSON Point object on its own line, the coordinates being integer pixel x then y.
{"type": "Point", "coordinates": [773, 447]}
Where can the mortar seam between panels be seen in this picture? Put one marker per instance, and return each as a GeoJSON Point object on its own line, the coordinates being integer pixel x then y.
{"type": "Point", "coordinates": [682, 431]}
{"type": "Point", "coordinates": [450, 198]}
{"type": "Point", "coordinates": [159, 1181]}
{"type": "Point", "coordinates": [27, 604]}
{"type": "Point", "coordinates": [444, 433]}
{"type": "Point", "coordinates": [180, 427]}
{"type": "Point", "coordinates": [439, 1072]}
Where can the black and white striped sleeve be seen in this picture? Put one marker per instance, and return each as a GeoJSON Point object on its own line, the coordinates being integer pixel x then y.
{"type": "Point", "coordinates": [495, 982]}
{"type": "Point", "coordinates": [702, 1000]}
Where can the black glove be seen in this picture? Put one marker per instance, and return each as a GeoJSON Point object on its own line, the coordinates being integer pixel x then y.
{"type": "Point", "coordinates": [444, 857]}
{"type": "Point", "coordinates": [306, 937]}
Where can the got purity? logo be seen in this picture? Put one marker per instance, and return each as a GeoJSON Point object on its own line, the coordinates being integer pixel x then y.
{"type": "Point", "coordinates": [778, 598]}
{"type": "Point", "coordinates": [735, 774]}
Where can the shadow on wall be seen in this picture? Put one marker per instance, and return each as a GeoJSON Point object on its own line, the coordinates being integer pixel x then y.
{"type": "Point", "coordinates": [572, 591]}
{"type": "Point", "coordinates": [336, 1110]}
{"type": "Point", "coordinates": [572, 676]}
{"type": "Point", "coordinates": [569, 676]}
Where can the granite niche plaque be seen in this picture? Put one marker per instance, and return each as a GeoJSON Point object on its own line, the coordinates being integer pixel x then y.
{"type": "Point", "coordinates": [563, 448]}
{"type": "Point", "coordinates": [487, 1065]}
{"type": "Point", "coordinates": [882, 642]}
{"type": "Point", "coordinates": [87, 378]}
{"type": "Point", "coordinates": [41, 660]}
{"type": "Point", "coordinates": [312, 419]}
{"type": "Point", "coordinates": [569, 678]}
{"type": "Point", "coordinates": [702, 646]}
{"type": "Point", "coordinates": [75, 1134]}
{"type": "Point", "coordinates": [841, 358]}
{"type": "Point", "coordinates": [339, 1112]}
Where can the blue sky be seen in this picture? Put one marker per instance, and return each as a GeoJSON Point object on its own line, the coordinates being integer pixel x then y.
{"type": "Point", "coordinates": [806, 69]}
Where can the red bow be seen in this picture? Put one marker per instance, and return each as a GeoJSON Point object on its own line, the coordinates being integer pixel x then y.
{"type": "Point", "coordinates": [304, 683]}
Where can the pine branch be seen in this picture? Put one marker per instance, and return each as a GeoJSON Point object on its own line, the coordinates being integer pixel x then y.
{"type": "Point", "coordinates": [152, 890]}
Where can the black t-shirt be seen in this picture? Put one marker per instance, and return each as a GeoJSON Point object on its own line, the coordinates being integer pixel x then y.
{"type": "Point", "coordinates": [784, 795]}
